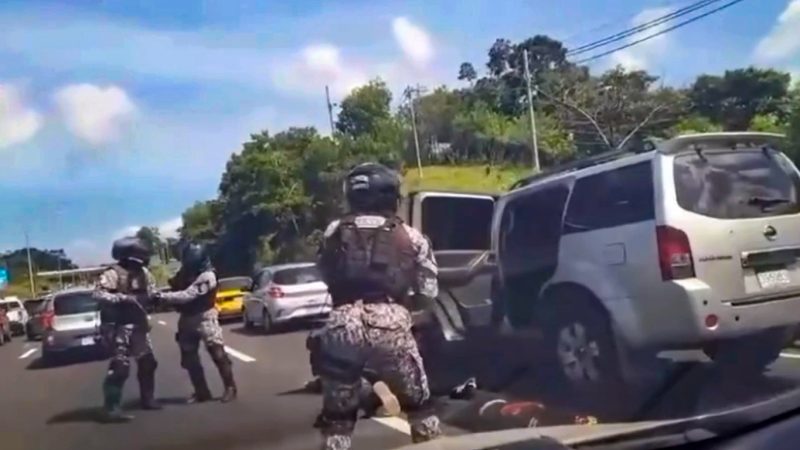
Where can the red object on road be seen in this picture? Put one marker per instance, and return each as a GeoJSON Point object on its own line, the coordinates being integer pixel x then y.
{"type": "Point", "coordinates": [503, 413]}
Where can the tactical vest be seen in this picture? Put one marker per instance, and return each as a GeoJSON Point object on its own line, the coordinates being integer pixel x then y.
{"type": "Point", "coordinates": [371, 264]}
{"type": "Point", "coordinates": [199, 305]}
{"type": "Point", "coordinates": [131, 283]}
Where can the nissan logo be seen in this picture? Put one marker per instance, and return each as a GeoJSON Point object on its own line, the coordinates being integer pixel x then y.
{"type": "Point", "coordinates": [770, 232]}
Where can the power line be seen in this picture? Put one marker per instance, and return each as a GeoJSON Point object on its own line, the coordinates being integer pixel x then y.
{"type": "Point", "coordinates": [642, 27]}
{"type": "Point", "coordinates": [664, 31]}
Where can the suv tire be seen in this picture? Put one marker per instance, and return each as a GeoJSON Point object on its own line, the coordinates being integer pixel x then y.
{"type": "Point", "coordinates": [750, 354]}
{"type": "Point", "coordinates": [580, 345]}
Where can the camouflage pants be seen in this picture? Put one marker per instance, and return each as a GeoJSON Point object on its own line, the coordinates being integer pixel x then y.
{"type": "Point", "coordinates": [196, 328]}
{"type": "Point", "coordinates": [129, 341]}
{"type": "Point", "coordinates": [377, 338]}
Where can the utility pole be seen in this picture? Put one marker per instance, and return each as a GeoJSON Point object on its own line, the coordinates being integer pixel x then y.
{"type": "Point", "coordinates": [30, 265]}
{"type": "Point", "coordinates": [531, 113]}
{"type": "Point", "coordinates": [409, 91]}
{"type": "Point", "coordinates": [330, 108]}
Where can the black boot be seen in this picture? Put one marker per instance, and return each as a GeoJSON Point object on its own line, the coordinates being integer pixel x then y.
{"type": "Point", "coordinates": [225, 369]}
{"type": "Point", "coordinates": [147, 382]}
{"type": "Point", "coordinates": [230, 394]}
{"type": "Point", "coordinates": [201, 391]}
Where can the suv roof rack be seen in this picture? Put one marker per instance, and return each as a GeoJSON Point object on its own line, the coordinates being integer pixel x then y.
{"type": "Point", "coordinates": [578, 165]}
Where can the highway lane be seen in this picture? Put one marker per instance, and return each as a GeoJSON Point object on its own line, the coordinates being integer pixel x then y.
{"type": "Point", "coordinates": [56, 407]}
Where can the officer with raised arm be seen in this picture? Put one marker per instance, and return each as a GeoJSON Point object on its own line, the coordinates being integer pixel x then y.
{"type": "Point", "coordinates": [124, 291]}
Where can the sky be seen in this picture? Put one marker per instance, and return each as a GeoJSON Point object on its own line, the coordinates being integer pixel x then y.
{"type": "Point", "coordinates": [117, 114]}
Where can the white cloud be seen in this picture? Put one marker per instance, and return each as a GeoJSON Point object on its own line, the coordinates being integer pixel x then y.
{"type": "Point", "coordinates": [18, 123]}
{"type": "Point", "coordinates": [169, 228]}
{"type": "Point", "coordinates": [413, 40]}
{"type": "Point", "coordinates": [641, 56]}
{"type": "Point", "coordinates": [85, 252]}
{"type": "Point", "coordinates": [93, 113]}
{"type": "Point", "coordinates": [318, 65]}
{"type": "Point", "coordinates": [783, 41]}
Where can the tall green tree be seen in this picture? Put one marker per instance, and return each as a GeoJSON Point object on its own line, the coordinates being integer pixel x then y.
{"type": "Point", "coordinates": [737, 96]}
{"type": "Point", "coordinates": [363, 111]}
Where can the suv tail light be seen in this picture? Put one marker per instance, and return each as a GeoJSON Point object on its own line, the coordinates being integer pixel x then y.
{"type": "Point", "coordinates": [674, 253]}
{"type": "Point", "coordinates": [47, 320]}
{"type": "Point", "coordinates": [275, 292]}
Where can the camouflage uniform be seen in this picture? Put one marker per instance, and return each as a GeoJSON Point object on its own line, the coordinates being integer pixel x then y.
{"type": "Point", "coordinates": [129, 335]}
{"type": "Point", "coordinates": [377, 337]}
{"type": "Point", "coordinates": [199, 322]}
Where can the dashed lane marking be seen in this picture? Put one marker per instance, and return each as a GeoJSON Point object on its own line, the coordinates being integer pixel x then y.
{"type": "Point", "coordinates": [395, 423]}
{"type": "Point", "coordinates": [790, 355]}
{"type": "Point", "coordinates": [239, 355]}
{"type": "Point", "coordinates": [161, 322]}
{"type": "Point", "coordinates": [28, 353]}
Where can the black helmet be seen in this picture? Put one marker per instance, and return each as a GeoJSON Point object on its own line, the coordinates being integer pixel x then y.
{"type": "Point", "coordinates": [194, 258]}
{"type": "Point", "coordinates": [131, 249]}
{"type": "Point", "coordinates": [372, 187]}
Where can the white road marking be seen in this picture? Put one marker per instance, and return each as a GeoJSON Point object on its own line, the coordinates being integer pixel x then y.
{"type": "Point", "coordinates": [790, 355]}
{"type": "Point", "coordinates": [161, 322]}
{"type": "Point", "coordinates": [395, 423]}
{"type": "Point", "coordinates": [27, 353]}
{"type": "Point", "coordinates": [239, 355]}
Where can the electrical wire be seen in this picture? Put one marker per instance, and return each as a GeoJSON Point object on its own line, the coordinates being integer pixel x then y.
{"type": "Point", "coordinates": [654, 35]}
{"type": "Point", "coordinates": [642, 27]}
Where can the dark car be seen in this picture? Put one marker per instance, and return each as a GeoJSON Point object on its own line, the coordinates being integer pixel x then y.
{"type": "Point", "coordinates": [34, 327]}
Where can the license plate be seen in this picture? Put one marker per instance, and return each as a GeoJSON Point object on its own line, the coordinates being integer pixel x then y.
{"type": "Point", "coordinates": [88, 340]}
{"type": "Point", "coordinates": [773, 278]}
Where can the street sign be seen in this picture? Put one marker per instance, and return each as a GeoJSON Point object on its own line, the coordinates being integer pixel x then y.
{"type": "Point", "coordinates": [3, 277]}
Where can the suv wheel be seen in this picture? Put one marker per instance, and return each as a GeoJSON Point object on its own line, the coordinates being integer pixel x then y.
{"type": "Point", "coordinates": [750, 354]}
{"type": "Point", "coordinates": [266, 320]}
{"type": "Point", "coordinates": [580, 346]}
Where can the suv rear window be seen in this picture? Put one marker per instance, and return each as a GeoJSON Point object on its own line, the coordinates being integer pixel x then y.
{"type": "Point", "coordinates": [297, 275]}
{"type": "Point", "coordinates": [65, 305]}
{"type": "Point", "coordinates": [9, 306]}
{"type": "Point", "coordinates": [32, 306]}
{"type": "Point", "coordinates": [737, 184]}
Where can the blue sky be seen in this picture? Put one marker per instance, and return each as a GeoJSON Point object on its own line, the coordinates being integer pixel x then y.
{"type": "Point", "coordinates": [115, 114]}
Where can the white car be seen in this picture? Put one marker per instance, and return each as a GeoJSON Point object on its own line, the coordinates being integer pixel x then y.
{"type": "Point", "coordinates": [17, 314]}
{"type": "Point", "coordinates": [71, 321]}
{"type": "Point", "coordinates": [284, 293]}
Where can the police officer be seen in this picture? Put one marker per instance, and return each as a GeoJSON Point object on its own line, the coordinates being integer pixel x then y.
{"type": "Point", "coordinates": [124, 291]}
{"type": "Point", "coordinates": [194, 290]}
{"type": "Point", "coordinates": [370, 260]}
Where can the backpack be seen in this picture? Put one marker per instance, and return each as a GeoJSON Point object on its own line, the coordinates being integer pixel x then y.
{"type": "Point", "coordinates": [371, 263]}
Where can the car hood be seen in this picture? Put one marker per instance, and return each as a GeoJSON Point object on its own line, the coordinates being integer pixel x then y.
{"type": "Point", "coordinates": [564, 434]}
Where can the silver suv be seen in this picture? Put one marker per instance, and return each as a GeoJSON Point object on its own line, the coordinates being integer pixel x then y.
{"type": "Point", "coordinates": [71, 321]}
{"type": "Point", "coordinates": [692, 245]}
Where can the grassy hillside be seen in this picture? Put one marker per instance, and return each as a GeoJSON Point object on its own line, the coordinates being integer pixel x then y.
{"type": "Point", "coordinates": [464, 178]}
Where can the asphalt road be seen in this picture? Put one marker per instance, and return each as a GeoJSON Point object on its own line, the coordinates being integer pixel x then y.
{"type": "Point", "coordinates": [56, 407]}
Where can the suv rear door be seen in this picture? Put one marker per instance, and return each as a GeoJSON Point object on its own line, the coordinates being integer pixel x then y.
{"type": "Point", "coordinates": [740, 207]}
{"type": "Point", "coordinates": [76, 315]}
{"type": "Point", "coordinates": [458, 226]}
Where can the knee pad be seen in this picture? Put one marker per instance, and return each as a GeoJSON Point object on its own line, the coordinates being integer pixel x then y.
{"type": "Point", "coordinates": [147, 363]}
{"type": "Point", "coordinates": [118, 370]}
{"type": "Point", "coordinates": [190, 359]}
{"type": "Point", "coordinates": [218, 354]}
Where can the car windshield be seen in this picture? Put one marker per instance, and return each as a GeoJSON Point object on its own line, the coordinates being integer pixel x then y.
{"type": "Point", "coordinates": [737, 184]}
{"type": "Point", "coordinates": [10, 306]}
{"type": "Point", "coordinates": [68, 304]}
{"type": "Point", "coordinates": [493, 215]}
{"type": "Point", "coordinates": [241, 283]}
{"type": "Point", "coordinates": [297, 275]}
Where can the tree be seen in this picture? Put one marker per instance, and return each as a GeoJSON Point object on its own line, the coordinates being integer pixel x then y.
{"type": "Point", "coordinates": [793, 125]}
{"type": "Point", "coordinates": [767, 123]}
{"type": "Point", "coordinates": [364, 109]}
{"type": "Point", "coordinates": [693, 124]}
{"type": "Point", "coordinates": [739, 95]}
{"type": "Point", "coordinates": [467, 72]}
{"type": "Point", "coordinates": [200, 221]}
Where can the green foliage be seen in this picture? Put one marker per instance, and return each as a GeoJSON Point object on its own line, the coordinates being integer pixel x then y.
{"type": "Point", "coordinates": [739, 95]}
{"type": "Point", "coordinates": [199, 221]}
{"type": "Point", "coordinates": [767, 123]}
{"type": "Point", "coordinates": [694, 124]}
{"type": "Point", "coordinates": [364, 110]}
{"type": "Point", "coordinates": [16, 262]}
{"type": "Point", "coordinates": [471, 178]}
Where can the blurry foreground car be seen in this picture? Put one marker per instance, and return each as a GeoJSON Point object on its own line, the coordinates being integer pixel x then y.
{"type": "Point", "coordinates": [5, 328]}
{"type": "Point", "coordinates": [71, 322]}
{"type": "Point", "coordinates": [286, 292]}
{"type": "Point", "coordinates": [230, 295]}
{"type": "Point", "coordinates": [34, 327]}
{"type": "Point", "coordinates": [16, 314]}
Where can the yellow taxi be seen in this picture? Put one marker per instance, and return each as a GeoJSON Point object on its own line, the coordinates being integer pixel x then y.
{"type": "Point", "coordinates": [230, 295]}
